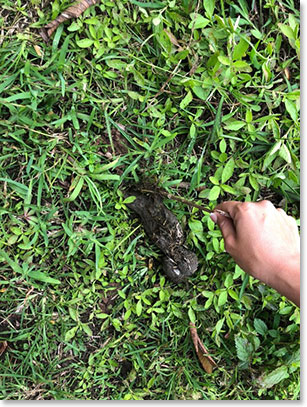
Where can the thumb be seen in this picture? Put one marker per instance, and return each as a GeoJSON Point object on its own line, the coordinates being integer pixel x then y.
{"type": "Point", "coordinates": [227, 228]}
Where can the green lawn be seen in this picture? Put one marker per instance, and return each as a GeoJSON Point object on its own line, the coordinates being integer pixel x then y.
{"type": "Point", "coordinates": [202, 99]}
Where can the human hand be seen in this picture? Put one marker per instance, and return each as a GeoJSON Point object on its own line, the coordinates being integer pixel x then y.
{"type": "Point", "coordinates": [264, 242]}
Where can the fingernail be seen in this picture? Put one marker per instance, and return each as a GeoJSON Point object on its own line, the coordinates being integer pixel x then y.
{"type": "Point", "coordinates": [213, 217]}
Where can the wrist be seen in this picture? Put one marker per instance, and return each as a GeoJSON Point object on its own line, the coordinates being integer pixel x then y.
{"type": "Point", "coordinates": [286, 279]}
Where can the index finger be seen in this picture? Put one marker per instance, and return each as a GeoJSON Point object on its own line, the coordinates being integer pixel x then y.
{"type": "Point", "coordinates": [228, 206]}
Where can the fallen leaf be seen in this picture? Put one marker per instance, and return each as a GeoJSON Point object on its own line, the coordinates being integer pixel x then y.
{"type": "Point", "coordinates": [173, 39]}
{"type": "Point", "coordinates": [3, 346]}
{"type": "Point", "coordinates": [110, 297]}
{"type": "Point", "coordinates": [74, 11]}
{"type": "Point", "coordinates": [203, 355]}
{"type": "Point", "coordinates": [205, 362]}
{"type": "Point", "coordinates": [287, 73]}
{"type": "Point", "coordinates": [38, 50]}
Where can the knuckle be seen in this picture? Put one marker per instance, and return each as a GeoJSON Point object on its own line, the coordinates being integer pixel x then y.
{"type": "Point", "coordinates": [266, 204]}
{"type": "Point", "coordinates": [245, 206]}
{"type": "Point", "coordinates": [281, 211]}
{"type": "Point", "coordinates": [293, 221]}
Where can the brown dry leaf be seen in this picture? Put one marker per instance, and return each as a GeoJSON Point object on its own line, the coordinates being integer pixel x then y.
{"type": "Point", "coordinates": [206, 361]}
{"type": "Point", "coordinates": [287, 73]}
{"type": "Point", "coordinates": [38, 50]}
{"type": "Point", "coordinates": [110, 297]}
{"type": "Point", "coordinates": [3, 346]}
{"type": "Point", "coordinates": [173, 39]}
{"type": "Point", "coordinates": [74, 11]}
{"type": "Point", "coordinates": [206, 364]}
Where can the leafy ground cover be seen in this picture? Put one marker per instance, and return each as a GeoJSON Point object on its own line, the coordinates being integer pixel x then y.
{"type": "Point", "coordinates": [201, 97]}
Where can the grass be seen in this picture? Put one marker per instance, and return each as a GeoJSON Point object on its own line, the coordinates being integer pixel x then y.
{"type": "Point", "coordinates": [200, 97]}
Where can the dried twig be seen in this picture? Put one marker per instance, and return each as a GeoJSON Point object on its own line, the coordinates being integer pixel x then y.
{"type": "Point", "coordinates": [185, 201]}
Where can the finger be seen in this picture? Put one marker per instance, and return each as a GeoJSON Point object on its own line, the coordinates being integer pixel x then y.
{"type": "Point", "coordinates": [228, 231]}
{"type": "Point", "coordinates": [293, 221]}
{"type": "Point", "coordinates": [282, 212]}
{"type": "Point", "coordinates": [229, 207]}
{"type": "Point", "coordinates": [289, 218]}
{"type": "Point", "coordinates": [293, 224]}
